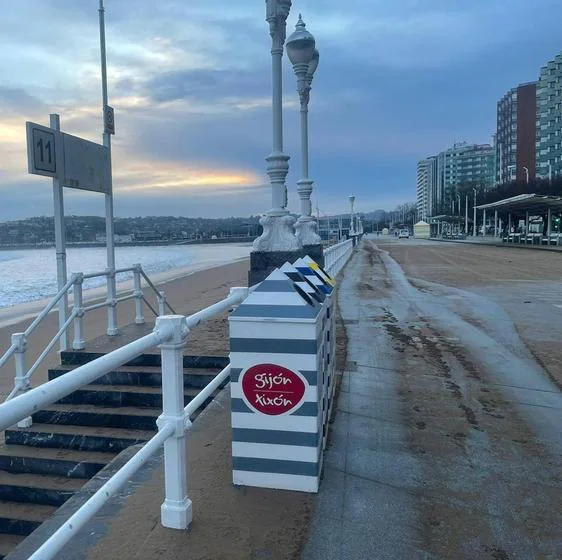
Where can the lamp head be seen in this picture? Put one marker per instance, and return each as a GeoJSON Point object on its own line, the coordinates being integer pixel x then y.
{"type": "Point", "coordinates": [313, 64]}
{"type": "Point", "coordinates": [301, 44]}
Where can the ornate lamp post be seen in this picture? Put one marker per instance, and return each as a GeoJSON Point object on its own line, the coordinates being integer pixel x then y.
{"type": "Point", "coordinates": [277, 244]}
{"type": "Point", "coordinates": [352, 216]}
{"type": "Point", "coordinates": [304, 58]}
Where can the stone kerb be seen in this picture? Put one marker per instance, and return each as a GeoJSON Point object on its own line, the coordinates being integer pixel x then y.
{"type": "Point", "coordinates": [281, 354]}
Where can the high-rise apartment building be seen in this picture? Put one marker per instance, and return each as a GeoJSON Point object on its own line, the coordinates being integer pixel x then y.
{"type": "Point", "coordinates": [463, 165]}
{"type": "Point", "coordinates": [516, 134]}
{"type": "Point", "coordinates": [549, 120]}
{"type": "Point", "coordinates": [426, 187]}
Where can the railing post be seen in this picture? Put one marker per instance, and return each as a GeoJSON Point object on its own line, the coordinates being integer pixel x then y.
{"type": "Point", "coordinates": [176, 511]}
{"type": "Point", "coordinates": [78, 307]}
{"type": "Point", "coordinates": [161, 303]}
{"type": "Point", "coordinates": [139, 318]}
{"type": "Point", "coordinates": [112, 328]}
{"type": "Point", "coordinates": [20, 382]}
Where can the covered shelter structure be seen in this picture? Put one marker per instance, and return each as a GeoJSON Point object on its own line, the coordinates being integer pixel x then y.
{"type": "Point", "coordinates": [447, 226]}
{"type": "Point", "coordinates": [525, 218]}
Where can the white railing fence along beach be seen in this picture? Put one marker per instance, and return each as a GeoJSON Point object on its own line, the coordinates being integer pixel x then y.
{"type": "Point", "coordinates": [18, 347]}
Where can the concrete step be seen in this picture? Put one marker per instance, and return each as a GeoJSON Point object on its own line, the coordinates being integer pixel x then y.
{"type": "Point", "coordinates": [22, 519]}
{"type": "Point", "coordinates": [38, 488]}
{"type": "Point", "coordinates": [67, 463]}
{"type": "Point", "coordinates": [80, 357]}
{"type": "Point", "coordinates": [8, 543]}
{"type": "Point", "coordinates": [83, 438]}
{"type": "Point", "coordinates": [122, 395]}
{"type": "Point", "coordinates": [127, 417]}
{"type": "Point", "coordinates": [144, 375]}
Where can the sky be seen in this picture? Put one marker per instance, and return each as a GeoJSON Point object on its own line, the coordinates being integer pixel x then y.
{"type": "Point", "coordinates": [190, 81]}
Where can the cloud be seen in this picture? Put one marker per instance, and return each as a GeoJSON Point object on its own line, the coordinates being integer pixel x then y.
{"type": "Point", "coordinates": [191, 86]}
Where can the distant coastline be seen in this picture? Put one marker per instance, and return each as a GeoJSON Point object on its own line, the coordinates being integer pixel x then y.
{"type": "Point", "coordinates": [161, 243]}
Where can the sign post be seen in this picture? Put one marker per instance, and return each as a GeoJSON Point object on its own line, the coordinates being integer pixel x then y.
{"type": "Point", "coordinates": [60, 231]}
{"type": "Point", "coordinates": [109, 129]}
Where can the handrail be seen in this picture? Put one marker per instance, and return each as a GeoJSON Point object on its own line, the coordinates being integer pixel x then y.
{"type": "Point", "coordinates": [336, 256]}
{"type": "Point", "coordinates": [8, 354]}
{"type": "Point", "coordinates": [170, 334]}
{"type": "Point", "coordinates": [75, 284]}
{"type": "Point", "coordinates": [155, 289]}
{"type": "Point", "coordinates": [60, 294]}
{"type": "Point", "coordinates": [28, 403]}
{"type": "Point", "coordinates": [76, 521]}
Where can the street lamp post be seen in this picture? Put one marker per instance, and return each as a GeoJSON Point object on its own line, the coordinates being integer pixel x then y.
{"type": "Point", "coordinates": [278, 243]}
{"type": "Point", "coordinates": [304, 58]}
{"type": "Point", "coordinates": [526, 173]}
{"type": "Point", "coordinates": [474, 219]}
{"type": "Point", "coordinates": [352, 216]}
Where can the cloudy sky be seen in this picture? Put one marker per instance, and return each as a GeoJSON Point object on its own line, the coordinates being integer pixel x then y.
{"type": "Point", "coordinates": [190, 83]}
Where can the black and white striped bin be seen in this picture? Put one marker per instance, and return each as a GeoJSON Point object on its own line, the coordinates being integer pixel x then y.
{"type": "Point", "coordinates": [282, 372]}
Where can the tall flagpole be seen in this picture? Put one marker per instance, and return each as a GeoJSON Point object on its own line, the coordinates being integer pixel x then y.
{"type": "Point", "coordinates": [111, 288]}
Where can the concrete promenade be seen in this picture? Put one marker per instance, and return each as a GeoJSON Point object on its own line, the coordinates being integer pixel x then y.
{"type": "Point", "coordinates": [446, 442]}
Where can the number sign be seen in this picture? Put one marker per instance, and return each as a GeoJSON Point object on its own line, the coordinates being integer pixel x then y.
{"type": "Point", "coordinates": [42, 150]}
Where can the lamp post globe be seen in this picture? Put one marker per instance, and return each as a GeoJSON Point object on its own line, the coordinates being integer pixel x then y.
{"type": "Point", "coordinates": [302, 52]}
{"type": "Point", "coordinates": [301, 46]}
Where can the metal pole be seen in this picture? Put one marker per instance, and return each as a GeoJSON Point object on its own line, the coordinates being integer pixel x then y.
{"type": "Point", "coordinates": [484, 220]}
{"type": "Point", "coordinates": [110, 243]}
{"type": "Point", "coordinates": [60, 244]}
{"type": "Point", "coordinates": [495, 223]}
{"type": "Point", "coordinates": [474, 232]}
{"type": "Point", "coordinates": [466, 215]}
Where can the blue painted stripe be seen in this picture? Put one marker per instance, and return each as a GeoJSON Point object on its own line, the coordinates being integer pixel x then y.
{"type": "Point", "coordinates": [309, 409]}
{"type": "Point", "coordinates": [273, 466]}
{"type": "Point", "coordinates": [279, 437]}
{"type": "Point", "coordinates": [310, 376]}
{"type": "Point", "coordinates": [277, 311]}
{"type": "Point", "coordinates": [275, 286]}
{"type": "Point", "coordinates": [273, 346]}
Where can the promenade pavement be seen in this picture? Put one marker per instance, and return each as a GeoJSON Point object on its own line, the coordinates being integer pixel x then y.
{"type": "Point", "coordinates": [446, 441]}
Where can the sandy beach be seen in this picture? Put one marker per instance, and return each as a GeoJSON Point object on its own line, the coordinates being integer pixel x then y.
{"type": "Point", "coordinates": [187, 291]}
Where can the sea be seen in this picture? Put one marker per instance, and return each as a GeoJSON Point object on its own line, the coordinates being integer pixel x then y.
{"type": "Point", "coordinates": [31, 275]}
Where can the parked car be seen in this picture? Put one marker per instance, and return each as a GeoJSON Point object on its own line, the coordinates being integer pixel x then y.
{"type": "Point", "coordinates": [404, 233]}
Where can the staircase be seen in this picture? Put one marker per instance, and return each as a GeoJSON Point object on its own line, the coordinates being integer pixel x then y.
{"type": "Point", "coordinates": [69, 442]}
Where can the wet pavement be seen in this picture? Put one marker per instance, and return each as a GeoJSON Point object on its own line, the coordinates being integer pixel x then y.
{"type": "Point", "coordinates": [447, 439]}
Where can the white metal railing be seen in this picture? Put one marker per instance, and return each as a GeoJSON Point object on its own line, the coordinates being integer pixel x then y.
{"type": "Point", "coordinates": [336, 256]}
{"type": "Point", "coordinates": [18, 347]}
{"type": "Point", "coordinates": [170, 335]}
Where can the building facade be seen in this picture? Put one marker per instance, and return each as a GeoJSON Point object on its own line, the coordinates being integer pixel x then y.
{"type": "Point", "coordinates": [549, 120]}
{"type": "Point", "coordinates": [462, 166]}
{"type": "Point", "coordinates": [516, 134]}
{"type": "Point", "coordinates": [427, 187]}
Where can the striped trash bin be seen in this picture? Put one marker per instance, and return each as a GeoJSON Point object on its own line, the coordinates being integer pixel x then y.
{"type": "Point", "coordinates": [282, 379]}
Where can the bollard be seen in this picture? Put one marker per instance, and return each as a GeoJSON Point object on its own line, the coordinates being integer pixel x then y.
{"type": "Point", "coordinates": [281, 357]}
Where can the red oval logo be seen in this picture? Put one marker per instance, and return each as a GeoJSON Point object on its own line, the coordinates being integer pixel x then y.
{"type": "Point", "coordinates": [272, 389]}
